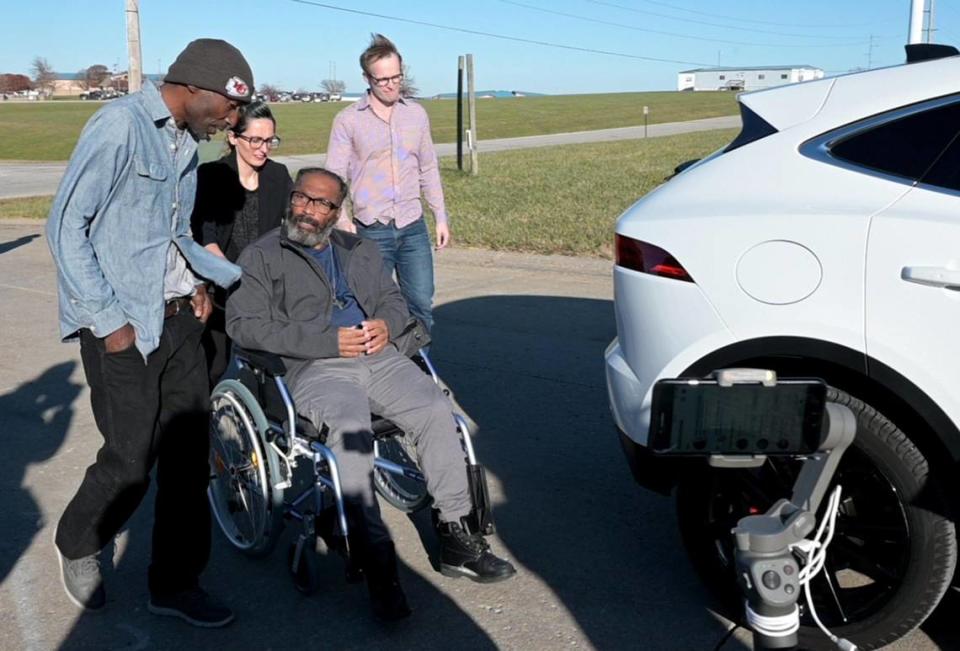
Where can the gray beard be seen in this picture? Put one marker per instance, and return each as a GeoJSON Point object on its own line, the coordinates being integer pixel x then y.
{"type": "Point", "coordinates": [293, 232]}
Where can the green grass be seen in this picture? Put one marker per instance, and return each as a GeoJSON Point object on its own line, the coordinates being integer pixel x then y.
{"type": "Point", "coordinates": [551, 200]}
{"type": "Point", "coordinates": [26, 207]}
{"type": "Point", "coordinates": [49, 130]}
{"type": "Point", "coordinates": [562, 200]}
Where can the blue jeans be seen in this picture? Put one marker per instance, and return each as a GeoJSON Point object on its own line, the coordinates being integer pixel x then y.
{"type": "Point", "coordinates": [407, 251]}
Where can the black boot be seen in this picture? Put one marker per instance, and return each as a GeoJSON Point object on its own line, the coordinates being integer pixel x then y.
{"type": "Point", "coordinates": [467, 554]}
{"type": "Point", "coordinates": [387, 599]}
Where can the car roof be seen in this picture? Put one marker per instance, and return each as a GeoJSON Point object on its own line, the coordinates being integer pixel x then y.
{"type": "Point", "coordinates": [835, 101]}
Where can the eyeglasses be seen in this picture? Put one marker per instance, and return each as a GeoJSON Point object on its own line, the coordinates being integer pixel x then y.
{"type": "Point", "coordinates": [385, 81]}
{"type": "Point", "coordinates": [257, 141]}
{"type": "Point", "coordinates": [321, 205]}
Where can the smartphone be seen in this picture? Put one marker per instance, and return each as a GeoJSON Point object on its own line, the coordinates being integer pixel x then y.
{"type": "Point", "coordinates": [701, 418]}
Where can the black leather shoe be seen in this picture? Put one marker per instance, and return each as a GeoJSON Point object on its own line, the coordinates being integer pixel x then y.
{"type": "Point", "coordinates": [467, 554]}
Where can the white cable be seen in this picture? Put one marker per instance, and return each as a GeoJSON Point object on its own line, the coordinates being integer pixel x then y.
{"type": "Point", "coordinates": [814, 553]}
{"type": "Point", "coordinates": [779, 626]}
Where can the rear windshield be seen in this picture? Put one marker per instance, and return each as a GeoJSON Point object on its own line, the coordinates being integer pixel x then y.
{"type": "Point", "coordinates": [754, 128]}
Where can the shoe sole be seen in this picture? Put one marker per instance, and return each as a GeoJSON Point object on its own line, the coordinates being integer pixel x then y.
{"type": "Point", "coordinates": [63, 580]}
{"type": "Point", "coordinates": [173, 612]}
{"type": "Point", "coordinates": [455, 572]}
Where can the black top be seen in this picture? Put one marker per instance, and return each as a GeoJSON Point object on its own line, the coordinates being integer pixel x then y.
{"type": "Point", "coordinates": [221, 199]}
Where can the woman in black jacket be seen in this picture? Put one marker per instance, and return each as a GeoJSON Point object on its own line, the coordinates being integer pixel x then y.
{"type": "Point", "coordinates": [239, 198]}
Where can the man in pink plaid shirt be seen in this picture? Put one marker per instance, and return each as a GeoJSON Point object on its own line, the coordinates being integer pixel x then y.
{"type": "Point", "coordinates": [382, 146]}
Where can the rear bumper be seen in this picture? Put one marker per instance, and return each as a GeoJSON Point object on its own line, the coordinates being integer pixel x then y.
{"type": "Point", "coordinates": [664, 326]}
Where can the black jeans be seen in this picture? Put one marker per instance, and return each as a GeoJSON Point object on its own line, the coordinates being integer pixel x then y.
{"type": "Point", "coordinates": [153, 413]}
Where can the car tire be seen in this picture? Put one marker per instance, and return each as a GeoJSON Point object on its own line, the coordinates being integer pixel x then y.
{"type": "Point", "coordinates": [909, 540]}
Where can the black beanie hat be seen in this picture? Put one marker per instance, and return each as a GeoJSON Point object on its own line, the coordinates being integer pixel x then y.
{"type": "Point", "coordinates": [215, 65]}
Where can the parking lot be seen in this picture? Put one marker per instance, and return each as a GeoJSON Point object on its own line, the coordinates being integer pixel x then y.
{"type": "Point", "coordinates": [520, 339]}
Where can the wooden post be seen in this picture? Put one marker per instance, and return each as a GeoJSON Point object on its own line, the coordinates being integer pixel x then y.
{"type": "Point", "coordinates": [472, 103]}
{"type": "Point", "coordinates": [135, 69]}
{"type": "Point", "coordinates": [460, 113]}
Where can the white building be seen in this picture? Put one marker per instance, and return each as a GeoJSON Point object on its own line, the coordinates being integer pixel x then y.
{"type": "Point", "coordinates": [745, 78]}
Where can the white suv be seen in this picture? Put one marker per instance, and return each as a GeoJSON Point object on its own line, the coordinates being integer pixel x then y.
{"type": "Point", "coordinates": [823, 241]}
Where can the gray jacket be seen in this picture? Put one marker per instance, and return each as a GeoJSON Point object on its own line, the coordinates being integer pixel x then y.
{"type": "Point", "coordinates": [284, 302]}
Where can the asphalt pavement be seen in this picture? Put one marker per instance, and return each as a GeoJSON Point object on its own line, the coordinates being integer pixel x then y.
{"type": "Point", "coordinates": [520, 339]}
{"type": "Point", "coordinates": [36, 179]}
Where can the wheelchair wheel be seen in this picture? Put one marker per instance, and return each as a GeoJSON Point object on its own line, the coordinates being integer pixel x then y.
{"type": "Point", "coordinates": [241, 493]}
{"type": "Point", "coordinates": [404, 492]}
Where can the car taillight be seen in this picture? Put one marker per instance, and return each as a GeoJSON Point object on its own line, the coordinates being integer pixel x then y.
{"type": "Point", "coordinates": [649, 259]}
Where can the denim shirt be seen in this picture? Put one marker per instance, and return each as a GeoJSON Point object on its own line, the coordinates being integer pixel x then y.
{"type": "Point", "coordinates": [112, 222]}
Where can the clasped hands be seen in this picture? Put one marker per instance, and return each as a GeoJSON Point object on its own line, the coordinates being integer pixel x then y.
{"type": "Point", "coordinates": [368, 338]}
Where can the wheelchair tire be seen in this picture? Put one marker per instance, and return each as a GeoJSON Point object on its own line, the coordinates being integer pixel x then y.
{"type": "Point", "coordinates": [245, 504]}
{"type": "Point", "coordinates": [404, 493]}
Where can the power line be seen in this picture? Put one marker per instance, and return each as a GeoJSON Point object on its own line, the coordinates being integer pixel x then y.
{"type": "Point", "coordinates": [497, 36]}
{"type": "Point", "coordinates": [703, 22]}
{"type": "Point", "coordinates": [742, 20]}
{"type": "Point", "coordinates": [673, 34]}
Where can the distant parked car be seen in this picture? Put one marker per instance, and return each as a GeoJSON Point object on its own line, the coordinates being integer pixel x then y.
{"type": "Point", "coordinates": [335, 97]}
{"type": "Point", "coordinates": [92, 94]}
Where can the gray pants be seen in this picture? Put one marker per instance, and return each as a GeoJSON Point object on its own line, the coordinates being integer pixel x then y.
{"type": "Point", "coordinates": [342, 392]}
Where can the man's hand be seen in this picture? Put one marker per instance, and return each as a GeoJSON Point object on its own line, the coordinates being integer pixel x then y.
{"type": "Point", "coordinates": [443, 235]}
{"type": "Point", "coordinates": [202, 304]}
{"type": "Point", "coordinates": [352, 341]}
{"type": "Point", "coordinates": [378, 335]}
{"type": "Point", "coordinates": [120, 339]}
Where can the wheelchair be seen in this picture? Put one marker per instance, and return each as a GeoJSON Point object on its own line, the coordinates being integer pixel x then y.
{"type": "Point", "coordinates": [269, 465]}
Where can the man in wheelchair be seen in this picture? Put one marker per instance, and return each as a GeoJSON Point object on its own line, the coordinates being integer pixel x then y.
{"type": "Point", "coordinates": [322, 300]}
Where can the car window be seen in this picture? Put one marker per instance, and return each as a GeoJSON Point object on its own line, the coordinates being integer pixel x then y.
{"type": "Point", "coordinates": [905, 146]}
{"type": "Point", "coordinates": [945, 172]}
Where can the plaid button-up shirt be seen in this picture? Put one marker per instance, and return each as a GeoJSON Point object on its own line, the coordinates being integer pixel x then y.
{"type": "Point", "coordinates": [387, 164]}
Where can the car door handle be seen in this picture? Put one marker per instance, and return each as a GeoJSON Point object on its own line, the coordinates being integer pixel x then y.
{"type": "Point", "coordinates": [932, 276]}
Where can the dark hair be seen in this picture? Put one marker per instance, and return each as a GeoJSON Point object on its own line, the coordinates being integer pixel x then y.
{"type": "Point", "coordinates": [380, 48]}
{"type": "Point", "coordinates": [306, 171]}
{"type": "Point", "coordinates": [256, 110]}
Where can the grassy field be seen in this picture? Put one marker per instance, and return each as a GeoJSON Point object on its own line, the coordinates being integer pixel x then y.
{"type": "Point", "coordinates": [551, 200]}
{"type": "Point", "coordinates": [49, 130]}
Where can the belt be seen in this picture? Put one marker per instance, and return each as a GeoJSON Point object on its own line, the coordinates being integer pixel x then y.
{"type": "Point", "coordinates": [175, 305]}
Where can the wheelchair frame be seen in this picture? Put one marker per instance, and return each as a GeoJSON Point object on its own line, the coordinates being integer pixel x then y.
{"type": "Point", "coordinates": [281, 445]}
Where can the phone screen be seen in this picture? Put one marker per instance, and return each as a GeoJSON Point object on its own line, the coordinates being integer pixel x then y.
{"type": "Point", "coordinates": [699, 417]}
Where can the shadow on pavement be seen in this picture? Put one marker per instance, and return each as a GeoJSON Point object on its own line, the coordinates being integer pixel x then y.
{"type": "Point", "coordinates": [20, 241]}
{"type": "Point", "coordinates": [36, 415]}
{"type": "Point", "coordinates": [529, 370]}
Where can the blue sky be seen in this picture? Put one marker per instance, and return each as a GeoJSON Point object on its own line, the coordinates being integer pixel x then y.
{"type": "Point", "coordinates": [293, 44]}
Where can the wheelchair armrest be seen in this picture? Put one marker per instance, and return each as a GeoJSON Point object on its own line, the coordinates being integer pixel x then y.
{"type": "Point", "coordinates": [269, 362]}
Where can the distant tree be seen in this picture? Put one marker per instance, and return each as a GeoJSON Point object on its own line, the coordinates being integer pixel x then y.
{"type": "Point", "coordinates": [268, 90]}
{"type": "Point", "coordinates": [14, 83]}
{"type": "Point", "coordinates": [409, 86]}
{"type": "Point", "coordinates": [94, 76]}
{"type": "Point", "coordinates": [43, 74]}
{"type": "Point", "coordinates": [334, 86]}
{"type": "Point", "coordinates": [119, 83]}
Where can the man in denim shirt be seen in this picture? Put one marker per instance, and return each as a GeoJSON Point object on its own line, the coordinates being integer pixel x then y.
{"type": "Point", "coordinates": [131, 287]}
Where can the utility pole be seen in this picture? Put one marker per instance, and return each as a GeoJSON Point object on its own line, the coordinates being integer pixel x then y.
{"type": "Point", "coordinates": [915, 33]}
{"type": "Point", "coordinates": [870, 47]}
{"type": "Point", "coordinates": [930, 29]}
{"type": "Point", "coordinates": [135, 69]}
{"type": "Point", "coordinates": [472, 104]}
{"type": "Point", "coordinates": [460, 113]}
